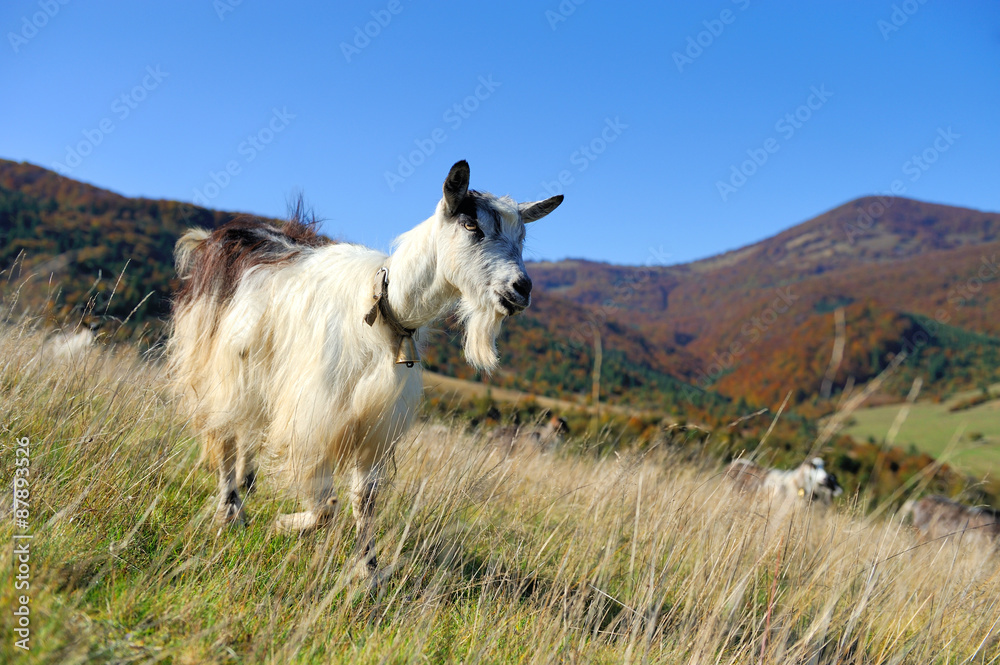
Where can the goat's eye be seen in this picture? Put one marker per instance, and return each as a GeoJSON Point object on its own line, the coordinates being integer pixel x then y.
{"type": "Point", "coordinates": [471, 226]}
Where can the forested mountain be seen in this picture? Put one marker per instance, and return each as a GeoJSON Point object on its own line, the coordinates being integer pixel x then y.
{"type": "Point", "coordinates": [759, 321]}
{"type": "Point", "coordinates": [80, 252]}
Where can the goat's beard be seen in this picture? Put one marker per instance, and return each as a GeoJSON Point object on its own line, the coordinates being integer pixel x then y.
{"type": "Point", "coordinates": [482, 326]}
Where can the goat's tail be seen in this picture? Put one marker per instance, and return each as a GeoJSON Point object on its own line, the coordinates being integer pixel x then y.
{"type": "Point", "coordinates": [185, 248]}
{"type": "Point", "coordinates": [906, 511]}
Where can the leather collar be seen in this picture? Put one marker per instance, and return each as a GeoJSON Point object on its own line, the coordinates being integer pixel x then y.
{"type": "Point", "coordinates": [406, 351]}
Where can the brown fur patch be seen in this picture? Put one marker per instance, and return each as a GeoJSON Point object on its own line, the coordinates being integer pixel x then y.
{"type": "Point", "coordinates": [232, 249]}
{"type": "Point", "coordinates": [746, 476]}
{"type": "Point", "coordinates": [937, 516]}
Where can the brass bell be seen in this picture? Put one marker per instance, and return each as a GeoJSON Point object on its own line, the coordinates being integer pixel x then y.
{"type": "Point", "coordinates": [406, 352]}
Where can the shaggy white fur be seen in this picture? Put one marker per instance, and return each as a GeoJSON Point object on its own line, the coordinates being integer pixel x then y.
{"type": "Point", "coordinates": [65, 346]}
{"type": "Point", "coordinates": [284, 364]}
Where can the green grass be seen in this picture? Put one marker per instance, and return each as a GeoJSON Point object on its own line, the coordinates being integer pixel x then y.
{"type": "Point", "coordinates": [967, 439]}
{"type": "Point", "coordinates": [490, 558]}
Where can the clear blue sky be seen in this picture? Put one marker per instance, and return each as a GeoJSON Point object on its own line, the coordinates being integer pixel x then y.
{"type": "Point", "coordinates": [662, 129]}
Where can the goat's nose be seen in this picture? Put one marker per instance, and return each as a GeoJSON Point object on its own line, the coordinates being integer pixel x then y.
{"type": "Point", "coordinates": [523, 286]}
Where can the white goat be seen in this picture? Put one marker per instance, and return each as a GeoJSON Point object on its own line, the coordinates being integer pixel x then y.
{"type": "Point", "coordinates": [287, 344]}
{"type": "Point", "coordinates": [810, 480]}
{"type": "Point", "coordinates": [67, 346]}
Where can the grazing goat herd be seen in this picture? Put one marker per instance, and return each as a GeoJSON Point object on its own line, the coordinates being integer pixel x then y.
{"type": "Point", "coordinates": [295, 355]}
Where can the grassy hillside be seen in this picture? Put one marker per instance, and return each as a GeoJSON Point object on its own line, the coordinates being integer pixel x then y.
{"type": "Point", "coordinates": [967, 438]}
{"type": "Point", "coordinates": [533, 558]}
{"type": "Point", "coordinates": [73, 253]}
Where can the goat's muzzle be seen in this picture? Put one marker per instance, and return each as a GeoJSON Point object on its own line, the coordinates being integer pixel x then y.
{"type": "Point", "coordinates": [517, 298]}
{"type": "Point", "coordinates": [830, 482]}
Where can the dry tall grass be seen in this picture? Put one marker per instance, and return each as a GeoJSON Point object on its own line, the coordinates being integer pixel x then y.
{"type": "Point", "coordinates": [528, 558]}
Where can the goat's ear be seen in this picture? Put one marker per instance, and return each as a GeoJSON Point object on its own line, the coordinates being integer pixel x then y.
{"type": "Point", "coordinates": [535, 210]}
{"type": "Point", "coordinates": [456, 186]}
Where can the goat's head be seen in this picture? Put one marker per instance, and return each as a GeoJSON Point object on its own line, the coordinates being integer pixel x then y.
{"type": "Point", "coordinates": [820, 483]}
{"type": "Point", "coordinates": [480, 247]}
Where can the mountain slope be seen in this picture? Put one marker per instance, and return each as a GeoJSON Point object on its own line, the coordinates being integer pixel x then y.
{"type": "Point", "coordinates": [759, 321]}
{"type": "Point", "coordinates": [85, 252]}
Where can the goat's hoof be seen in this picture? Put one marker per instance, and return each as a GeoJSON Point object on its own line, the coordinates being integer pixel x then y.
{"type": "Point", "coordinates": [230, 514]}
{"type": "Point", "coordinates": [367, 573]}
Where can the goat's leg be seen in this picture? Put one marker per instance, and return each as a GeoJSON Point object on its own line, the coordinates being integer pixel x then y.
{"type": "Point", "coordinates": [222, 453]}
{"type": "Point", "coordinates": [321, 504]}
{"type": "Point", "coordinates": [246, 466]}
{"type": "Point", "coordinates": [365, 480]}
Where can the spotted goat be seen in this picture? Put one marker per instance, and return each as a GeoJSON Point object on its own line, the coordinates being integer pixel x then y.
{"type": "Point", "coordinates": [810, 480]}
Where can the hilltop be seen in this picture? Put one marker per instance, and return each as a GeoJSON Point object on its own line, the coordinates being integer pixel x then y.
{"type": "Point", "coordinates": [86, 252]}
